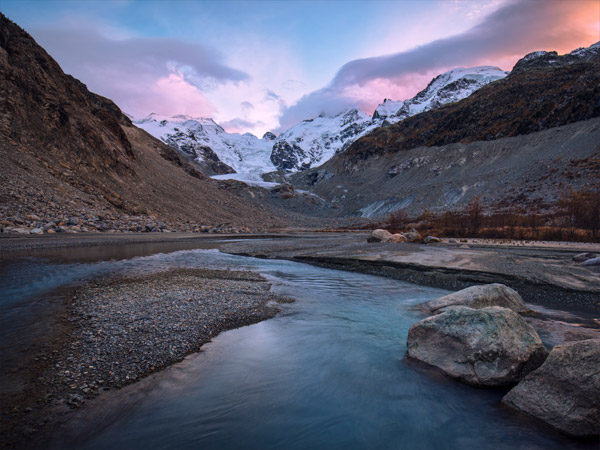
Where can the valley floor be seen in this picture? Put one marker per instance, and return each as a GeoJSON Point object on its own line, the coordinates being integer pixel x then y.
{"type": "Point", "coordinates": [110, 331]}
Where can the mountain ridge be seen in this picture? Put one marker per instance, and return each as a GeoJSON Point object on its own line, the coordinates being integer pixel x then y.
{"type": "Point", "coordinates": [311, 142]}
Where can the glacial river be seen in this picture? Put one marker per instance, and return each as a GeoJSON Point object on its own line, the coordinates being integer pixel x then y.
{"type": "Point", "coordinates": [327, 372]}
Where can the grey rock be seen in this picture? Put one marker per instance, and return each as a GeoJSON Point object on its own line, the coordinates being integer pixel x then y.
{"type": "Point", "coordinates": [484, 347]}
{"type": "Point", "coordinates": [379, 235]}
{"type": "Point", "coordinates": [479, 296]}
{"type": "Point", "coordinates": [565, 391]}
{"type": "Point", "coordinates": [36, 231]}
{"type": "Point", "coordinates": [432, 239]}
{"type": "Point", "coordinates": [413, 236]}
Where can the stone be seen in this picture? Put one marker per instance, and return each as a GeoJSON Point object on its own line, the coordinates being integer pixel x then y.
{"type": "Point", "coordinates": [581, 257]}
{"type": "Point", "coordinates": [379, 235]}
{"type": "Point", "coordinates": [484, 347]}
{"type": "Point", "coordinates": [36, 231]}
{"type": "Point", "coordinates": [564, 391]}
{"type": "Point", "coordinates": [432, 239]}
{"type": "Point", "coordinates": [413, 236]}
{"type": "Point", "coordinates": [398, 238]}
{"type": "Point", "coordinates": [479, 296]}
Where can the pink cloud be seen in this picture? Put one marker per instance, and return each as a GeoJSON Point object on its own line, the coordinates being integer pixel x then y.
{"type": "Point", "coordinates": [174, 95]}
{"type": "Point", "coordinates": [502, 37]}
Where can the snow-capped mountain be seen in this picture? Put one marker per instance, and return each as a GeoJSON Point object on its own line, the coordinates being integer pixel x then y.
{"type": "Point", "coordinates": [448, 87]}
{"type": "Point", "coordinates": [543, 58]}
{"type": "Point", "coordinates": [313, 142]}
{"type": "Point", "coordinates": [203, 139]}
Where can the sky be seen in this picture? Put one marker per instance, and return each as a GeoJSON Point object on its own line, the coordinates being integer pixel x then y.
{"type": "Point", "coordinates": [256, 66]}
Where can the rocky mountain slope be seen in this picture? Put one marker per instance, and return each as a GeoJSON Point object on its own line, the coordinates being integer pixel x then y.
{"type": "Point", "coordinates": [72, 161]}
{"type": "Point", "coordinates": [529, 171]}
{"type": "Point", "coordinates": [519, 141]}
{"type": "Point", "coordinates": [541, 92]}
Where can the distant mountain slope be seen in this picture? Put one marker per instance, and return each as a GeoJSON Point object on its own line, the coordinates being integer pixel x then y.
{"type": "Point", "coordinates": [68, 152]}
{"type": "Point", "coordinates": [520, 141]}
{"type": "Point", "coordinates": [527, 172]}
{"type": "Point", "coordinates": [312, 142]}
{"type": "Point", "coordinates": [543, 91]}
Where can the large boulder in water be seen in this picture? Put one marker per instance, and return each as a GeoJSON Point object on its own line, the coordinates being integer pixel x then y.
{"type": "Point", "coordinates": [564, 391]}
{"type": "Point", "coordinates": [379, 235]}
{"type": "Point", "coordinates": [483, 347]}
{"type": "Point", "coordinates": [480, 296]}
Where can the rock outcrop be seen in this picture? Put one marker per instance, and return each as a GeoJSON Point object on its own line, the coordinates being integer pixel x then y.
{"type": "Point", "coordinates": [564, 391]}
{"type": "Point", "coordinates": [480, 296]}
{"type": "Point", "coordinates": [484, 347]}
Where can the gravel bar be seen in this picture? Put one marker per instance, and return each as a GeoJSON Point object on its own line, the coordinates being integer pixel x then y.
{"type": "Point", "coordinates": [119, 330]}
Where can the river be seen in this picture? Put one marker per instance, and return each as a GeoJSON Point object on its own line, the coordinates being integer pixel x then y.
{"type": "Point", "coordinates": [327, 372]}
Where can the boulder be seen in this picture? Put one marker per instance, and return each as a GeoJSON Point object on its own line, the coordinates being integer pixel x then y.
{"type": "Point", "coordinates": [480, 296]}
{"type": "Point", "coordinates": [379, 235]}
{"type": "Point", "coordinates": [564, 391]}
{"type": "Point", "coordinates": [581, 257]}
{"type": "Point", "coordinates": [432, 239]}
{"type": "Point", "coordinates": [484, 347]}
{"type": "Point", "coordinates": [413, 236]}
{"type": "Point", "coordinates": [397, 238]}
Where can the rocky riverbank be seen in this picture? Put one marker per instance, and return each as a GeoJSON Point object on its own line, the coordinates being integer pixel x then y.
{"type": "Point", "coordinates": [116, 331]}
{"type": "Point", "coordinates": [543, 273]}
{"type": "Point", "coordinates": [480, 336]}
{"type": "Point", "coordinates": [104, 221]}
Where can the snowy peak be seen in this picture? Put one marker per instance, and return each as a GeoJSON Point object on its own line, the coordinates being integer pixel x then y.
{"type": "Point", "coordinates": [546, 59]}
{"type": "Point", "coordinates": [448, 87]}
{"type": "Point", "coordinates": [205, 140]}
{"type": "Point", "coordinates": [314, 141]}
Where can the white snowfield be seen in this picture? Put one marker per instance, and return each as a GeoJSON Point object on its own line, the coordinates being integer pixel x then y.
{"type": "Point", "coordinates": [311, 142]}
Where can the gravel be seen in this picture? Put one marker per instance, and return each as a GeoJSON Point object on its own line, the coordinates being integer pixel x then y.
{"type": "Point", "coordinates": [119, 330]}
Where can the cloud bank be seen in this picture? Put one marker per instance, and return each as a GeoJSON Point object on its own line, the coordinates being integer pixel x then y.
{"type": "Point", "coordinates": [143, 75]}
{"type": "Point", "coordinates": [505, 35]}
